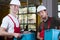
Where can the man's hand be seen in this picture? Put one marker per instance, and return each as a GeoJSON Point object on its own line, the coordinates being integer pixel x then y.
{"type": "Point", "coordinates": [41, 38]}
{"type": "Point", "coordinates": [17, 35]}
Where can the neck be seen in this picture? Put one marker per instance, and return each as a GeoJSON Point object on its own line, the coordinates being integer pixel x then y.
{"type": "Point", "coordinates": [13, 14]}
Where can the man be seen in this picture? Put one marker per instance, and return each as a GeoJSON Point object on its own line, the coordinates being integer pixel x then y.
{"type": "Point", "coordinates": [46, 22]}
{"type": "Point", "coordinates": [10, 24]}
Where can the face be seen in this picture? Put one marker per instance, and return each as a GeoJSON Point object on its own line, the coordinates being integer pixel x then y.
{"type": "Point", "coordinates": [14, 8]}
{"type": "Point", "coordinates": [43, 14]}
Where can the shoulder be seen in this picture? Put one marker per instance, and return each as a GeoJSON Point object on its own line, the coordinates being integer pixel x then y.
{"type": "Point", "coordinates": [6, 18]}
{"type": "Point", "coordinates": [52, 18]}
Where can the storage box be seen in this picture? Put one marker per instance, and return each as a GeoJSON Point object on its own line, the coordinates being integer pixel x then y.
{"type": "Point", "coordinates": [28, 36]}
{"type": "Point", "coordinates": [51, 34]}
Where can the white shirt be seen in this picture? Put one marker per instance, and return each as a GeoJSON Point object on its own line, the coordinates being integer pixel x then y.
{"type": "Point", "coordinates": [8, 24]}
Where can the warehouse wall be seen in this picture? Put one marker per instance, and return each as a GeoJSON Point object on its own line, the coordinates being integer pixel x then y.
{"type": "Point", "coordinates": [4, 10]}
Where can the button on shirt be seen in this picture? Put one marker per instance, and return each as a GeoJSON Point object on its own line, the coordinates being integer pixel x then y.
{"type": "Point", "coordinates": [8, 24]}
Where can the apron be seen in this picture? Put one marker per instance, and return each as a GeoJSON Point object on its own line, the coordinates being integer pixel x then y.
{"type": "Point", "coordinates": [42, 31]}
{"type": "Point", "coordinates": [16, 29]}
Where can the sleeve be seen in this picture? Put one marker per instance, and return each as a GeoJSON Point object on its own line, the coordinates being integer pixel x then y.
{"type": "Point", "coordinates": [55, 23]}
{"type": "Point", "coordinates": [4, 23]}
{"type": "Point", "coordinates": [39, 28]}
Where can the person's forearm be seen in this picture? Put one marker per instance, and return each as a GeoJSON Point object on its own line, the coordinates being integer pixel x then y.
{"type": "Point", "coordinates": [38, 35]}
{"type": "Point", "coordinates": [4, 33]}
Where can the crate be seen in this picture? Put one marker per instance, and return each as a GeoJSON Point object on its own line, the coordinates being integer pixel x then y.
{"type": "Point", "coordinates": [28, 36]}
{"type": "Point", "coordinates": [51, 34]}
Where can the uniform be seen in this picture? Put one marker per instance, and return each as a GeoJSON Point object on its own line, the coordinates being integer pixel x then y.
{"type": "Point", "coordinates": [11, 24]}
{"type": "Point", "coordinates": [51, 23]}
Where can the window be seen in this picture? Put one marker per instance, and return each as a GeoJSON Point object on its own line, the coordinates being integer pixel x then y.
{"type": "Point", "coordinates": [59, 10]}
{"type": "Point", "coordinates": [27, 17]}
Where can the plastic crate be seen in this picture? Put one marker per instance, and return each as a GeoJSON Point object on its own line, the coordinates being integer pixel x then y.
{"type": "Point", "coordinates": [51, 34]}
{"type": "Point", "coordinates": [29, 36]}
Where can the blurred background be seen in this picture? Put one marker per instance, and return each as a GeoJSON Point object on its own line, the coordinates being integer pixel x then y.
{"type": "Point", "coordinates": [27, 13]}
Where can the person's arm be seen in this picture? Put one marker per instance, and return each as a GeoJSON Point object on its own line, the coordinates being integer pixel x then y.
{"type": "Point", "coordinates": [4, 33]}
{"type": "Point", "coordinates": [39, 36]}
{"type": "Point", "coordinates": [4, 28]}
{"type": "Point", "coordinates": [38, 33]}
{"type": "Point", "coordinates": [55, 23]}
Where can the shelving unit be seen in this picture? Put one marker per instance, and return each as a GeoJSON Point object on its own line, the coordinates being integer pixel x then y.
{"type": "Point", "coordinates": [27, 17]}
